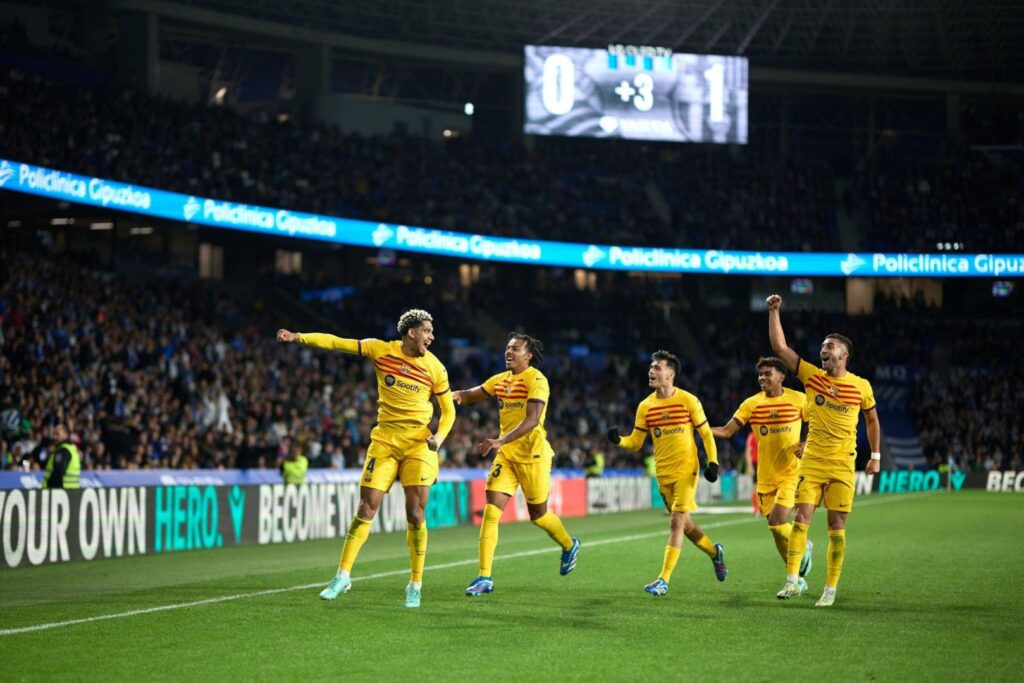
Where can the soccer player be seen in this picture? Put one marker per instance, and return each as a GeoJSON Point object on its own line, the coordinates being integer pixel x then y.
{"type": "Point", "coordinates": [835, 399]}
{"type": "Point", "coordinates": [670, 415]}
{"type": "Point", "coordinates": [401, 445]}
{"type": "Point", "coordinates": [776, 415]}
{"type": "Point", "coordinates": [524, 454]}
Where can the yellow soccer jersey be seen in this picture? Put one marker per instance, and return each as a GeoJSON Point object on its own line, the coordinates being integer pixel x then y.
{"type": "Point", "coordinates": [775, 423]}
{"type": "Point", "coordinates": [513, 392]}
{"type": "Point", "coordinates": [833, 406]}
{"type": "Point", "coordinates": [404, 385]}
{"type": "Point", "coordinates": [670, 422]}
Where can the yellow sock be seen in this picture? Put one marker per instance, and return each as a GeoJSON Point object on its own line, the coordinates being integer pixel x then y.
{"type": "Point", "coordinates": [416, 537]}
{"type": "Point", "coordinates": [797, 546]}
{"type": "Point", "coordinates": [550, 523]}
{"type": "Point", "coordinates": [358, 530]}
{"type": "Point", "coordinates": [705, 544]}
{"type": "Point", "coordinates": [836, 555]}
{"type": "Point", "coordinates": [488, 538]}
{"type": "Point", "coordinates": [781, 534]}
{"type": "Point", "coordinates": [671, 557]}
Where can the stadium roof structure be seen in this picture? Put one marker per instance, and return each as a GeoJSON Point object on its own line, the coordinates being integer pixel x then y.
{"type": "Point", "coordinates": [949, 39]}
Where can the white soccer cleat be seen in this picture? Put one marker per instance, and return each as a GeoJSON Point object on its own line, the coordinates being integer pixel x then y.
{"type": "Point", "coordinates": [791, 589]}
{"type": "Point", "coordinates": [827, 599]}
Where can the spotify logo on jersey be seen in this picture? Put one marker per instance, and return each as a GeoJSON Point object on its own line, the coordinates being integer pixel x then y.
{"type": "Point", "coordinates": [764, 431]}
{"type": "Point", "coordinates": [501, 404]}
{"type": "Point", "coordinates": [657, 431]}
{"type": "Point", "coordinates": [819, 400]}
{"type": "Point", "coordinates": [390, 380]}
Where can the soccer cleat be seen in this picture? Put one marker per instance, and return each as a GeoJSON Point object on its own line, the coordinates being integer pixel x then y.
{"type": "Point", "coordinates": [569, 557]}
{"type": "Point", "coordinates": [657, 588]}
{"type": "Point", "coordinates": [791, 589]}
{"type": "Point", "coordinates": [807, 561]}
{"type": "Point", "coordinates": [336, 586]}
{"type": "Point", "coordinates": [480, 586]}
{"type": "Point", "coordinates": [803, 585]}
{"type": "Point", "coordinates": [827, 599]}
{"type": "Point", "coordinates": [719, 561]}
{"type": "Point", "coordinates": [412, 596]}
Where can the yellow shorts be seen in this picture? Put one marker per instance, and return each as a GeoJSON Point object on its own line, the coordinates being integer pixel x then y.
{"type": "Point", "coordinates": [783, 495]}
{"type": "Point", "coordinates": [392, 456]}
{"type": "Point", "coordinates": [679, 495]}
{"type": "Point", "coordinates": [824, 480]}
{"type": "Point", "coordinates": [534, 477]}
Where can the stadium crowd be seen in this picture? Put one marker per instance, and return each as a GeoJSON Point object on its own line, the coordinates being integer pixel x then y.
{"type": "Point", "coordinates": [161, 374]}
{"type": "Point", "coordinates": [554, 188]}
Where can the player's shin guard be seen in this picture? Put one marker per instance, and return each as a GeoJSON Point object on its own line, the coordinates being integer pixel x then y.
{"type": "Point", "coordinates": [836, 555]}
{"type": "Point", "coordinates": [797, 546]}
{"type": "Point", "coordinates": [358, 530]}
{"type": "Point", "coordinates": [705, 544]}
{"type": "Point", "coordinates": [416, 537]}
{"type": "Point", "coordinates": [488, 538]}
{"type": "Point", "coordinates": [781, 534]}
{"type": "Point", "coordinates": [552, 524]}
{"type": "Point", "coordinates": [671, 557]}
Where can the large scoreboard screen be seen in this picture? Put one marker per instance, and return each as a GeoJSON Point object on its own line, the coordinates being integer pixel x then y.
{"type": "Point", "coordinates": [638, 93]}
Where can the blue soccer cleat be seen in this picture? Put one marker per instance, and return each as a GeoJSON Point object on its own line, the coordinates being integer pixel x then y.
{"type": "Point", "coordinates": [569, 557]}
{"type": "Point", "coordinates": [412, 596]}
{"type": "Point", "coordinates": [719, 561]}
{"type": "Point", "coordinates": [807, 561]}
{"type": "Point", "coordinates": [657, 588]}
{"type": "Point", "coordinates": [480, 586]}
{"type": "Point", "coordinates": [335, 587]}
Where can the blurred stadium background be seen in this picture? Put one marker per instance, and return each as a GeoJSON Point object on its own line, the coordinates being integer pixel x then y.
{"type": "Point", "coordinates": [871, 128]}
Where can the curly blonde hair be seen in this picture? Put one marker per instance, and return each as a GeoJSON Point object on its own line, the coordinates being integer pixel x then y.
{"type": "Point", "coordinates": [411, 319]}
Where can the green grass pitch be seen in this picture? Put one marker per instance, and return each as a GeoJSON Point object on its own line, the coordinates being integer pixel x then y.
{"type": "Point", "coordinates": [932, 590]}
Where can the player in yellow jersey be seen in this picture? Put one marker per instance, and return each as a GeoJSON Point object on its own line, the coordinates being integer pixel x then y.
{"type": "Point", "coordinates": [670, 415]}
{"type": "Point", "coordinates": [524, 454]}
{"type": "Point", "coordinates": [775, 415]}
{"type": "Point", "coordinates": [835, 399]}
{"type": "Point", "coordinates": [401, 445]}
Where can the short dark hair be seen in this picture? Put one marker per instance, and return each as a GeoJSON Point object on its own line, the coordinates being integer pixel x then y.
{"type": "Point", "coordinates": [847, 342]}
{"type": "Point", "coordinates": [772, 361]}
{"type": "Point", "coordinates": [670, 358]}
{"type": "Point", "coordinates": [534, 346]}
{"type": "Point", "coordinates": [412, 319]}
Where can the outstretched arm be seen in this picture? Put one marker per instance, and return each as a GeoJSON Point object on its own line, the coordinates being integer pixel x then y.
{"type": "Point", "coordinates": [727, 430]}
{"type": "Point", "coordinates": [777, 336]}
{"type": "Point", "coordinates": [321, 341]}
{"type": "Point", "coordinates": [465, 397]}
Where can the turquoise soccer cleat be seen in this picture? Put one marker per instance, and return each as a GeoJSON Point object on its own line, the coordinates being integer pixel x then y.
{"type": "Point", "coordinates": [807, 560]}
{"type": "Point", "coordinates": [657, 588]}
{"type": "Point", "coordinates": [412, 596]}
{"type": "Point", "coordinates": [719, 561]}
{"type": "Point", "coordinates": [335, 587]}
{"type": "Point", "coordinates": [569, 557]}
{"type": "Point", "coordinates": [480, 586]}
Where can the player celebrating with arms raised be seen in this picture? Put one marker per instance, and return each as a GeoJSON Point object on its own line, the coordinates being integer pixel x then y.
{"type": "Point", "coordinates": [835, 398]}
{"type": "Point", "coordinates": [775, 415]}
{"type": "Point", "coordinates": [524, 454]}
{"type": "Point", "coordinates": [670, 415]}
{"type": "Point", "coordinates": [401, 445]}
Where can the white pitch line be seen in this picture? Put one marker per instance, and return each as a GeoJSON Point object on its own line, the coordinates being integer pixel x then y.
{"type": "Point", "coordinates": [380, 575]}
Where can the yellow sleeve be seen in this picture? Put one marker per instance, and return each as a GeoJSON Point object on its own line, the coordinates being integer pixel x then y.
{"type": "Point", "coordinates": [373, 348]}
{"type": "Point", "coordinates": [329, 342]}
{"type": "Point", "coordinates": [538, 389]}
{"type": "Point", "coordinates": [743, 413]}
{"type": "Point", "coordinates": [488, 386]}
{"type": "Point", "coordinates": [801, 404]}
{"type": "Point", "coordinates": [868, 402]}
{"type": "Point", "coordinates": [700, 423]}
{"type": "Point", "coordinates": [635, 441]}
{"type": "Point", "coordinates": [440, 381]}
{"type": "Point", "coordinates": [447, 418]}
{"type": "Point", "coordinates": [804, 371]}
